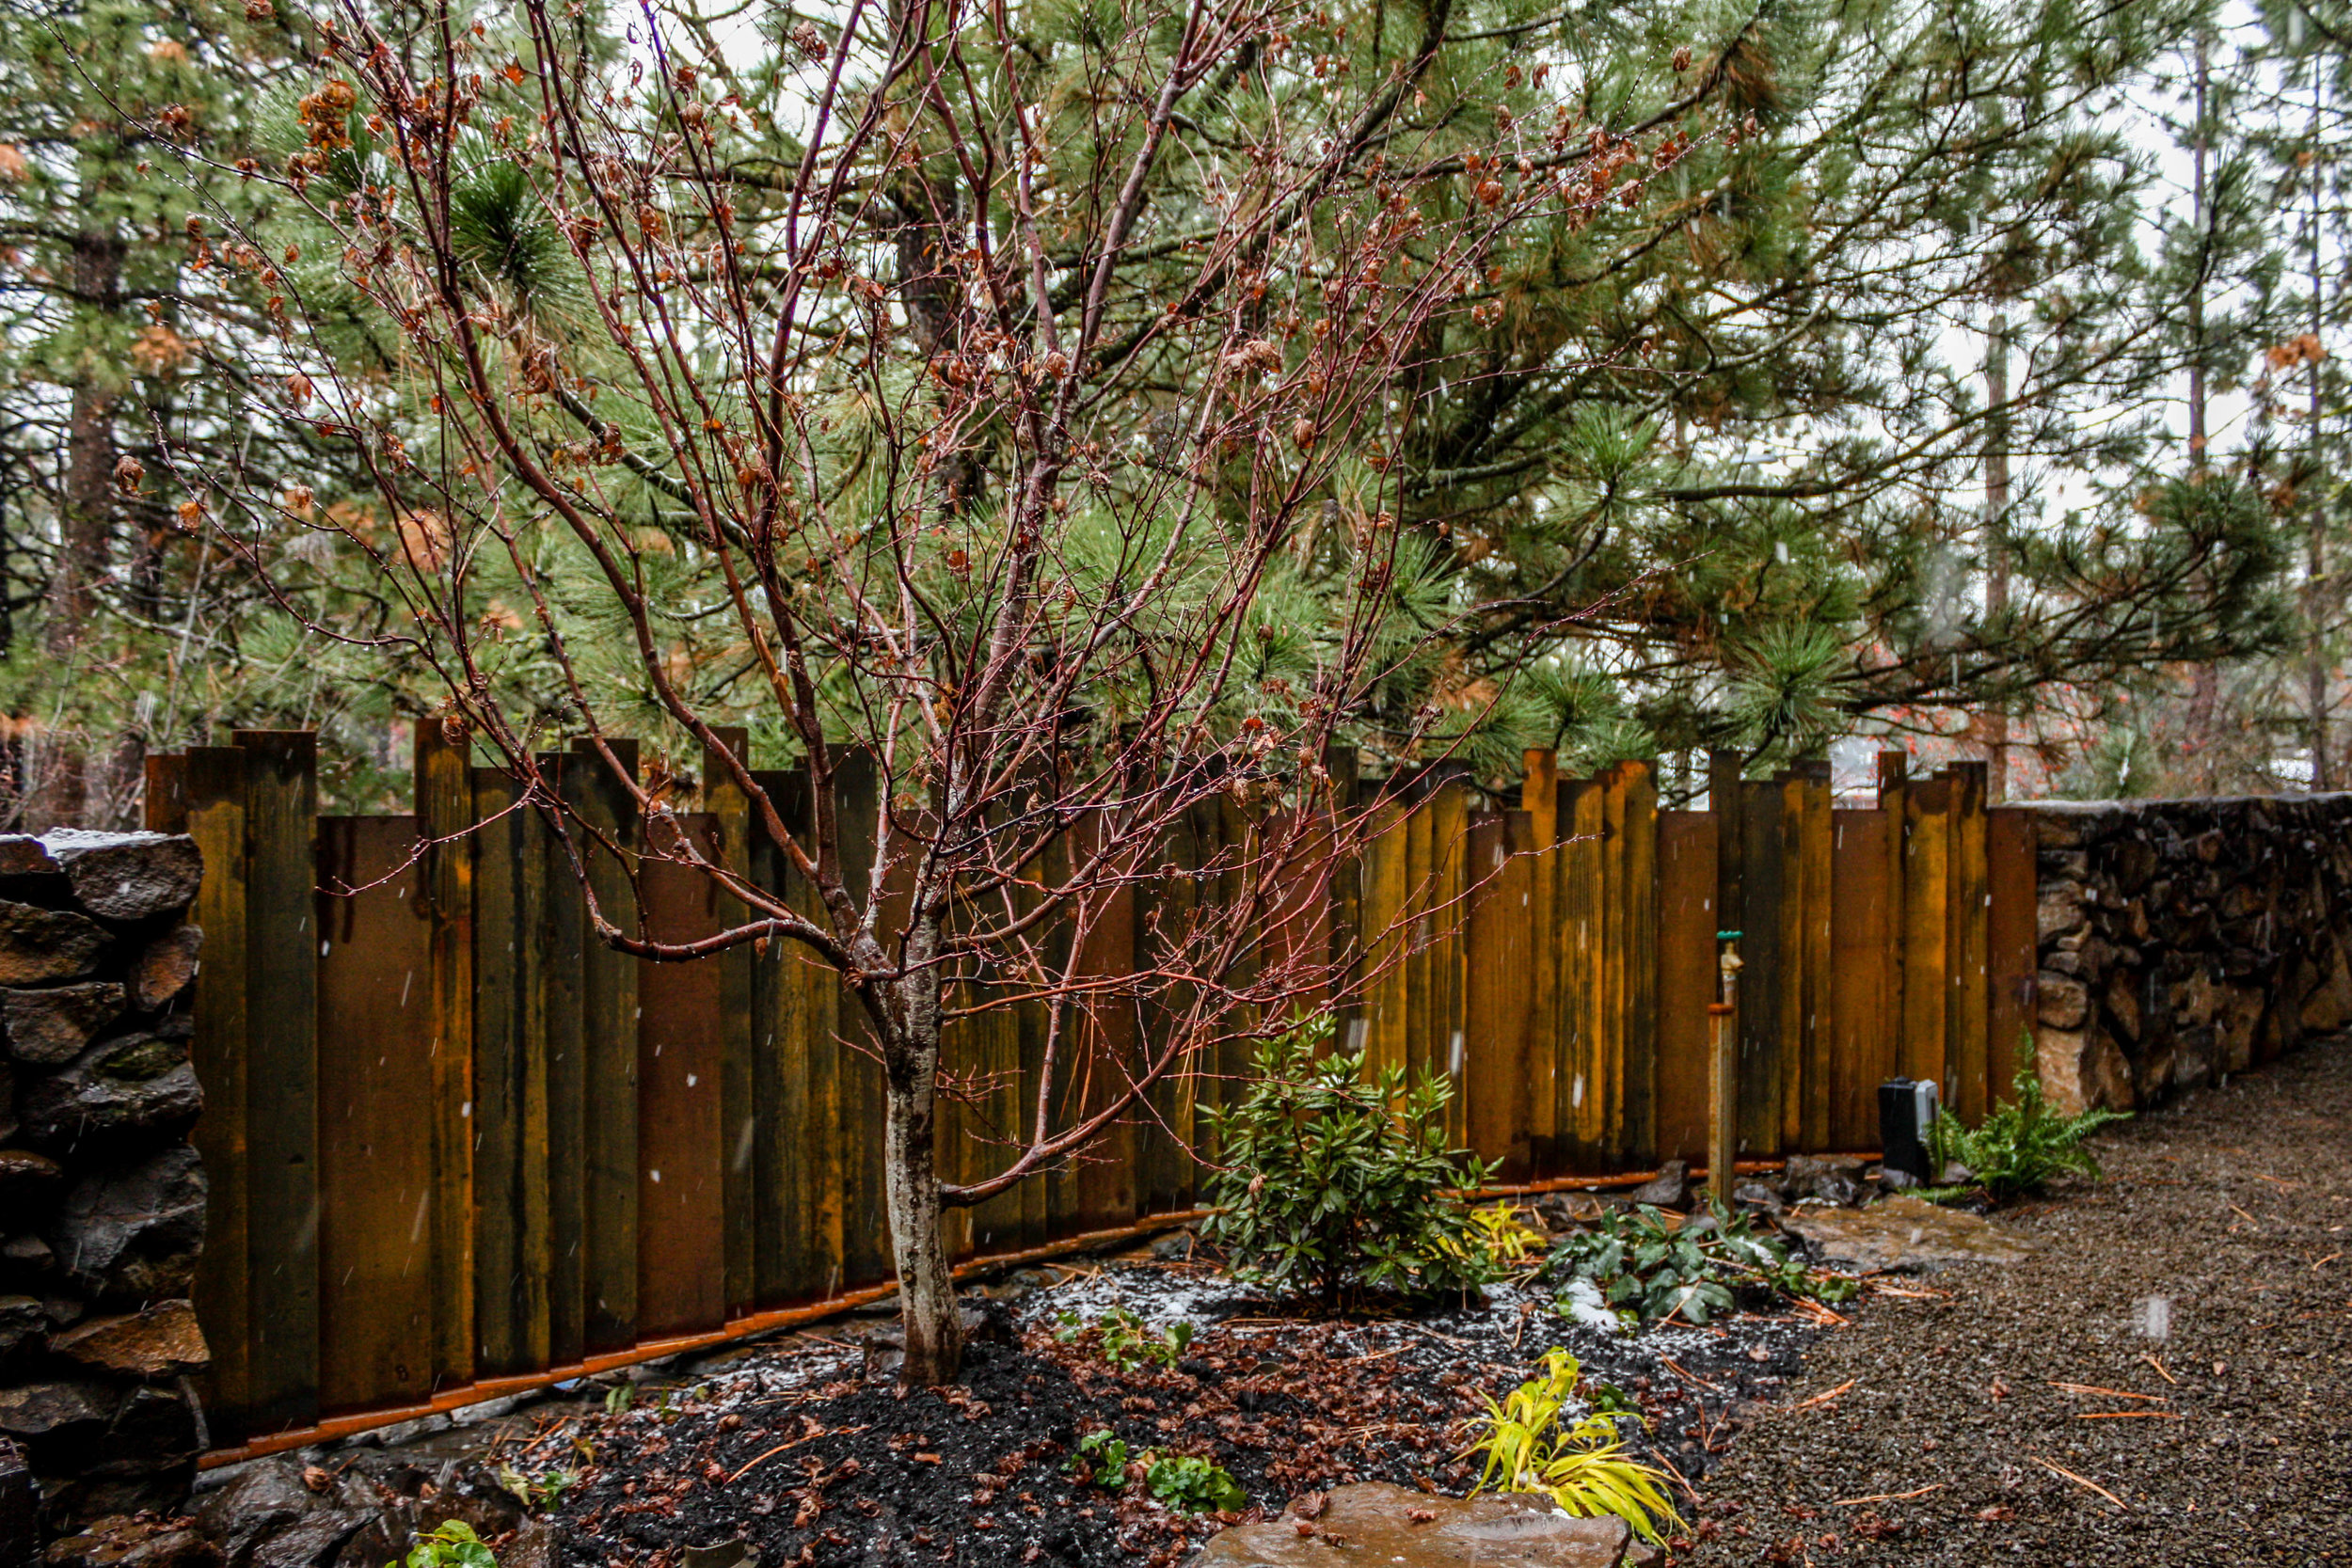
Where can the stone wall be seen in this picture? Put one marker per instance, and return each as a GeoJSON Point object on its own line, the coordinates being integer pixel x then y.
{"type": "Point", "coordinates": [102, 1196]}
{"type": "Point", "coordinates": [2184, 940]}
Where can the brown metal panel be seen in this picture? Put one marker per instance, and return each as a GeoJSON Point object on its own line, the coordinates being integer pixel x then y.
{"type": "Point", "coordinates": [375, 1132]}
{"type": "Point", "coordinates": [2009, 1005]}
{"type": "Point", "coordinates": [1686, 979]}
{"type": "Point", "coordinates": [1863, 937]}
{"type": "Point", "coordinates": [681, 1142]}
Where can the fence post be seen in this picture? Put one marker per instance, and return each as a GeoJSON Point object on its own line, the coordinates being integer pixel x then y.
{"type": "Point", "coordinates": [1894, 782]}
{"type": "Point", "coordinates": [1726, 803]}
{"type": "Point", "coordinates": [443, 786]}
{"type": "Point", "coordinates": [282, 1070]}
{"type": "Point", "coordinates": [1966, 1012]}
{"type": "Point", "coordinates": [730, 811]}
{"type": "Point", "coordinates": [609, 1016]}
{"type": "Point", "coordinates": [1539, 797]}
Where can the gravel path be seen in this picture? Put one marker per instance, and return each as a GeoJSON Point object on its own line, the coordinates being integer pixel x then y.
{"type": "Point", "coordinates": [2229, 1217]}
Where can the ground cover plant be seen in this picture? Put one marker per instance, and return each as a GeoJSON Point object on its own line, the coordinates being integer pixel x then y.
{"type": "Point", "coordinates": [1336, 1181]}
{"type": "Point", "coordinates": [1642, 1263]}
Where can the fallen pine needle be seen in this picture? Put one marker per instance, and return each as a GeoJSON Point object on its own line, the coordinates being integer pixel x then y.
{"type": "Point", "coordinates": [2325, 1261]}
{"type": "Point", "coordinates": [1824, 1399]}
{"type": "Point", "coordinates": [2111, 1393]}
{"type": "Point", "coordinates": [1820, 1313]}
{"type": "Point", "coordinates": [1676, 1366]}
{"type": "Point", "coordinates": [794, 1444]}
{"type": "Point", "coordinates": [1887, 1496]}
{"type": "Point", "coordinates": [2079, 1481]}
{"type": "Point", "coordinates": [2244, 1215]}
{"type": "Point", "coordinates": [2157, 1362]}
{"type": "Point", "coordinates": [1885, 1289]}
{"type": "Point", "coordinates": [2119, 1415]}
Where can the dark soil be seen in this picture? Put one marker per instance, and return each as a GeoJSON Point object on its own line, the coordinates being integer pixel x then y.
{"type": "Point", "coordinates": [2232, 1438]}
{"type": "Point", "coordinates": [808, 1462]}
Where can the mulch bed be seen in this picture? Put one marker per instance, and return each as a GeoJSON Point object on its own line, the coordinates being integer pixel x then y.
{"type": "Point", "coordinates": [2169, 1383]}
{"type": "Point", "coordinates": [800, 1456]}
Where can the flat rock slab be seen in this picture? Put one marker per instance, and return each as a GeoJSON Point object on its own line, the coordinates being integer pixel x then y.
{"type": "Point", "coordinates": [1905, 1235]}
{"type": "Point", "coordinates": [1358, 1527]}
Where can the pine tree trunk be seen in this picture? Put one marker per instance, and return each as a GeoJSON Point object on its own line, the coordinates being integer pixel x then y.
{"type": "Point", "coordinates": [84, 526]}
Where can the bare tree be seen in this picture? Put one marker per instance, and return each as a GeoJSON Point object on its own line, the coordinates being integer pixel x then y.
{"type": "Point", "coordinates": [1019, 407]}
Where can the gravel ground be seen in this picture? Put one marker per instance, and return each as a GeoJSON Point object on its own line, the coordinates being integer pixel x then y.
{"type": "Point", "coordinates": [2210, 1276]}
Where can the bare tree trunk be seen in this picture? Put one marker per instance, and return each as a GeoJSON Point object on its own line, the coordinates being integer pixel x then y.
{"type": "Point", "coordinates": [929, 1315]}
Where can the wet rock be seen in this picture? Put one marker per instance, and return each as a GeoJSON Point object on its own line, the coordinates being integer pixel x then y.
{"type": "Point", "coordinates": [158, 1340]}
{"type": "Point", "coordinates": [19, 1507]}
{"type": "Point", "coordinates": [132, 1231]}
{"type": "Point", "coordinates": [1955, 1175]}
{"type": "Point", "coordinates": [392, 1529]}
{"type": "Point", "coordinates": [136, 1084]}
{"type": "Point", "coordinates": [1357, 1527]}
{"type": "Point", "coordinates": [314, 1541]}
{"type": "Point", "coordinates": [56, 1023]}
{"type": "Point", "coordinates": [22, 855]}
{"type": "Point", "coordinates": [1906, 1234]}
{"type": "Point", "coordinates": [1835, 1179]}
{"type": "Point", "coordinates": [265, 1497]}
{"type": "Point", "coordinates": [22, 1317]}
{"type": "Point", "coordinates": [133, 1540]}
{"type": "Point", "coordinates": [27, 1178]}
{"type": "Point", "coordinates": [1756, 1194]}
{"type": "Point", "coordinates": [1175, 1246]}
{"type": "Point", "coordinates": [1567, 1210]}
{"type": "Point", "coordinates": [537, 1544]}
{"type": "Point", "coordinates": [1669, 1189]}
{"type": "Point", "coordinates": [55, 1409]}
{"type": "Point", "coordinates": [164, 966]}
{"type": "Point", "coordinates": [40, 945]}
{"type": "Point", "coordinates": [154, 1431]}
{"type": "Point", "coordinates": [127, 876]}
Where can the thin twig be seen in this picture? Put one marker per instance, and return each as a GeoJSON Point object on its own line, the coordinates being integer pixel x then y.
{"type": "Point", "coordinates": [2080, 1481]}
{"type": "Point", "coordinates": [1887, 1496]}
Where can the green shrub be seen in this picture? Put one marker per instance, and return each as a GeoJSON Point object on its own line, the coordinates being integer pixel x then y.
{"type": "Point", "coordinates": [452, 1545]}
{"type": "Point", "coordinates": [1194, 1485]}
{"type": "Point", "coordinates": [2023, 1146]}
{"type": "Point", "coordinates": [1178, 1481]}
{"type": "Point", "coordinates": [1581, 1465]}
{"type": "Point", "coordinates": [1123, 1340]}
{"type": "Point", "coordinates": [1646, 1267]}
{"type": "Point", "coordinates": [1334, 1182]}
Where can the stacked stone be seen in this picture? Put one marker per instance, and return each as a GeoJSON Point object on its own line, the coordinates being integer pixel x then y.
{"type": "Point", "coordinates": [101, 1196]}
{"type": "Point", "coordinates": [2183, 940]}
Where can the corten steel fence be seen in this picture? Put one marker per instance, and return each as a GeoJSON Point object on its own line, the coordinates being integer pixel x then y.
{"type": "Point", "coordinates": [454, 1140]}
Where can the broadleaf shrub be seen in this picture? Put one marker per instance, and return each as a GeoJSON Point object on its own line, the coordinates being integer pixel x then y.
{"type": "Point", "coordinates": [1642, 1265]}
{"type": "Point", "coordinates": [1335, 1181]}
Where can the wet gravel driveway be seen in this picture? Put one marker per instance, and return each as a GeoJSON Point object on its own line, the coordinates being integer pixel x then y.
{"type": "Point", "coordinates": [2169, 1383]}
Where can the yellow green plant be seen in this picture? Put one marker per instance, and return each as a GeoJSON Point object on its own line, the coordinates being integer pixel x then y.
{"type": "Point", "coordinates": [1506, 1238]}
{"type": "Point", "coordinates": [1581, 1463]}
